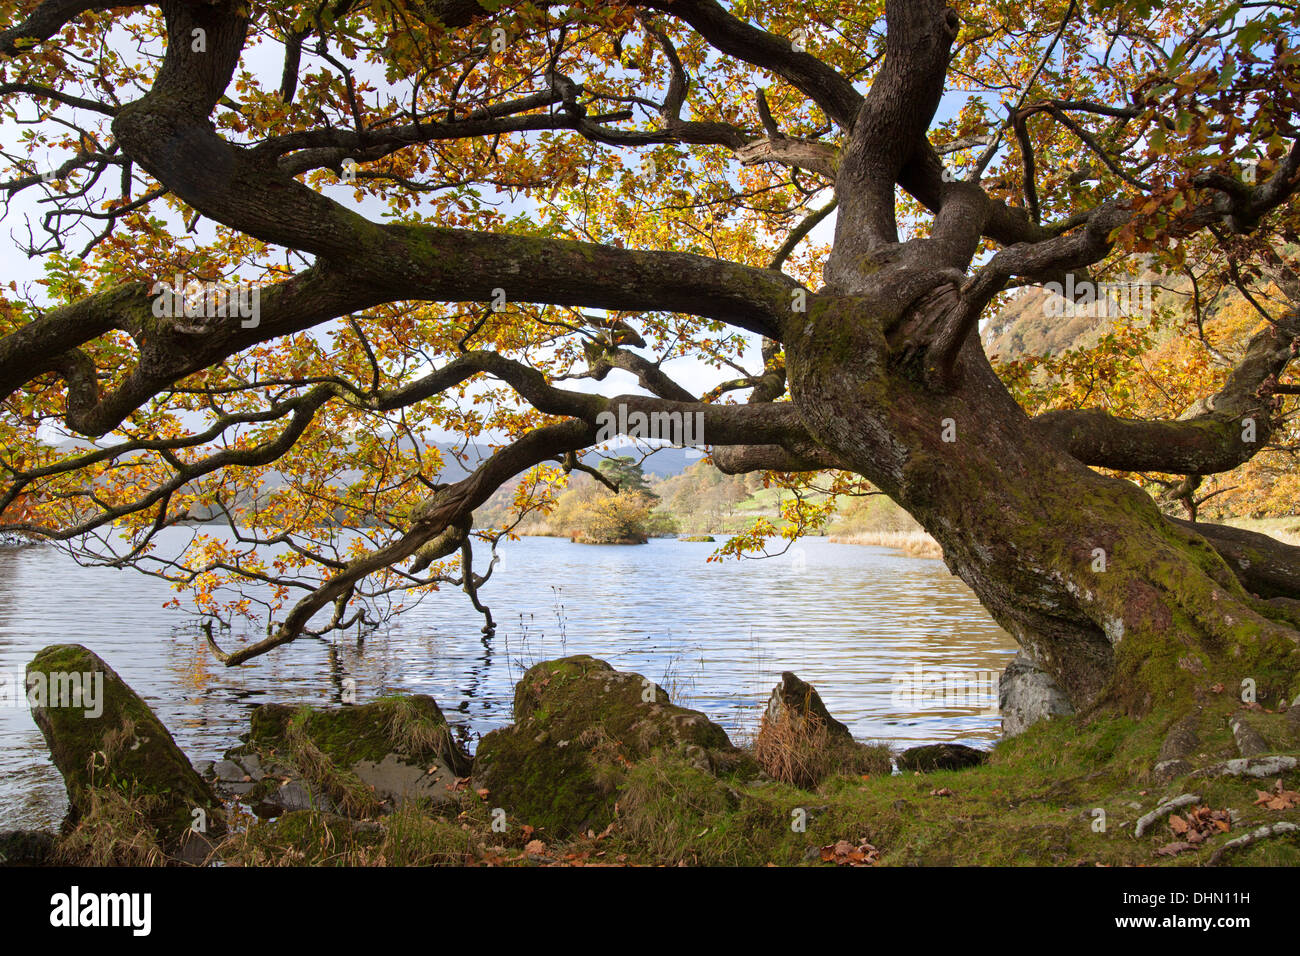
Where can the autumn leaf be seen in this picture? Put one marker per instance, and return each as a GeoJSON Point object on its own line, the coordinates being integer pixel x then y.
{"type": "Point", "coordinates": [844, 853]}
{"type": "Point", "coordinates": [1278, 798]}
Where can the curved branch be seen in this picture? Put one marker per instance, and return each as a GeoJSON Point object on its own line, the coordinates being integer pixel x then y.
{"type": "Point", "coordinates": [1217, 434]}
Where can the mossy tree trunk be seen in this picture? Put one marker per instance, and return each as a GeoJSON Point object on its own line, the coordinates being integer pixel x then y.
{"type": "Point", "coordinates": [1116, 602]}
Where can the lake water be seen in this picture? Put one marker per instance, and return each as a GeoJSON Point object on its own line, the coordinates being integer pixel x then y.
{"type": "Point", "coordinates": [851, 620]}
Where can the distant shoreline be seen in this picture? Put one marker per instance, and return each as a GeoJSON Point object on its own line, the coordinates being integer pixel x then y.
{"type": "Point", "coordinates": [914, 544]}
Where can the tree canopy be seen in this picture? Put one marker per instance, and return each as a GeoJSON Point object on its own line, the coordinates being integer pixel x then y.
{"type": "Point", "coordinates": [287, 245]}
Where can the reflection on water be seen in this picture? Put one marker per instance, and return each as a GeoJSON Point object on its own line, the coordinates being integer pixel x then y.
{"type": "Point", "coordinates": [716, 636]}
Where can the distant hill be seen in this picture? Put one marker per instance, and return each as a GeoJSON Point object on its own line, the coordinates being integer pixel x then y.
{"type": "Point", "coordinates": [1024, 328]}
{"type": "Point", "coordinates": [663, 463]}
{"type": "Point", "coordinates": [1038, 322]}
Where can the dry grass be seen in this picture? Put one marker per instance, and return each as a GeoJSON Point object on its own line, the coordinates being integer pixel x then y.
{"type": "Point", "coordinates": [114, 831]}
{"type": "Point", "coordinates": [915, 544]}
{"type": "Point", "coordinates": [411, 729]}
{"type": "Point", "coordinates": [349, 794]}
{"type": "Point", "coordinates": [804, 752]}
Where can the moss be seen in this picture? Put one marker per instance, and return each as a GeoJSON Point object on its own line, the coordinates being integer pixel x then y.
{"type": "Point", "coordinates": [557, 790]}
{"type": "Point", "coordinates": [579, 724]}
{"type": "Point", "coordinates": [1035, 801]}
{"type": "Point", "coordinates": [566, 697]}
{"type": "Point", "coordinates": [412, 726]}
{"type": "Point", "coordinates": [125, 749]}
{"type": "Point", "coordinates": [1032, 803]}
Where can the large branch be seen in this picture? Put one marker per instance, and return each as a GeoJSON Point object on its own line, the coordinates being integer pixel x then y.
{"type": "Point", "coordinates": [891, 122]}
{"type": "Point", "coordinates": [796, 452]}
{"type": "Point", "coordinates": [361, 263]}
{"type": "Point", "coordinates": [48, 19]}
{"type": "Point", "coordinates": [404, 263]}
{"type": "Point", "coordinates": [1216, 435]}
{"type": "Point", "coordinates": [830, 90]}
{"type": "Point", "coordinates": [1265, 566]}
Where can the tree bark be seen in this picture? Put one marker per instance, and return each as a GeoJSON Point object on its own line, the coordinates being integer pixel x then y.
{"type": "Point", "coordinates": [1112, 600]}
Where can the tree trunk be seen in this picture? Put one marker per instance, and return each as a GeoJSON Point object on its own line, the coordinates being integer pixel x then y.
{"type": "Point", "coordinates": [1116, 603]}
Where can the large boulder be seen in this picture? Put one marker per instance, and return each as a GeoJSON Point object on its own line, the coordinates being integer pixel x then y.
{"type": "Point", "coordinates": [579, 724]}
{"type": "Point", "coordinates": [1026, 695]}
{"type": "Point", "coordinates": [102, 736]}
{"type": "Point", "coordinates": [358, 761]}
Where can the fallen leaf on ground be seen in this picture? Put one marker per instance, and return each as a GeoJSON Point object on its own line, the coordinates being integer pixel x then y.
{"type": "Point", "coordinates": [942, 792]}
{"type": "Point", "coordinates": [844, 853]}
{"type": "Point", "coordinates": [1200, 823]}
{"type": "Point", "coordinates": [1279, 798]}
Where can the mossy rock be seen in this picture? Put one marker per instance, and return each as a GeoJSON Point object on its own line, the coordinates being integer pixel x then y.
{"type": "Point", "coordinates": [934, 757]}
{"type": "Point", "coordinates": [362, 731]}
{"type": "Point", "coordinates": [706, 538]}
{"type": "Point", "coordinates": [116, 742]}
{"type": "Point", "coordinates": [579, 724]}
{"type": "Point", "coordinates": [357, 760]}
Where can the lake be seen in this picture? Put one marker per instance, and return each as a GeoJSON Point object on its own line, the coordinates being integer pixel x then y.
{"type": "Point", "coordinates": [851, 620]}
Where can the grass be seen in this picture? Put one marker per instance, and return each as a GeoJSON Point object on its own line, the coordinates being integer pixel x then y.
{"type": "Point", "coordinates": [1065, 793]}
{"type": "Point", "coordinates": [1035, 802]}
{"type": "Point", "coordinates": [1286, 530]}
{"type": "Point", "coordinates": [1039, 800]}
{"type": "Point", "coordinates": [342, 786]}
{"type": "Point", "coordinates": [115, 830]}
{"type": "Point", "coordinates": [803, 752]}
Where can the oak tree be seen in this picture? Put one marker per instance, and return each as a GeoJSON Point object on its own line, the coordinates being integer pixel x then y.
{"type": "Point", "coordinates": [284, 244]}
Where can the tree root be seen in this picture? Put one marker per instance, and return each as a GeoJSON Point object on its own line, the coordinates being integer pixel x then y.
{"type": "Point", "coordinates": [1266, 766]}
{"type": "Point", "coordinates": [1254, 836]}
{"type": "Point", "coordinates": [1163, 810]}
{"type": "Point", "coordinates": [1249, 742]}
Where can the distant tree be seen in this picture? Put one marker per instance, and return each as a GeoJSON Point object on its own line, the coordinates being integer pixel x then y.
{"type": "Point", "coordinates": [627, 474]}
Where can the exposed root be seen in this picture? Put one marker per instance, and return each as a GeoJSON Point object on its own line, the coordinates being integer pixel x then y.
{"type": "Point", "coordinates": [1268, 766]}
{"type": "Point", "coordinates": [1280, 828]}
{"type": "Point", "coordinates": [1249, 742]}
{"type": "Point", "coordinates": [1164, 810]}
